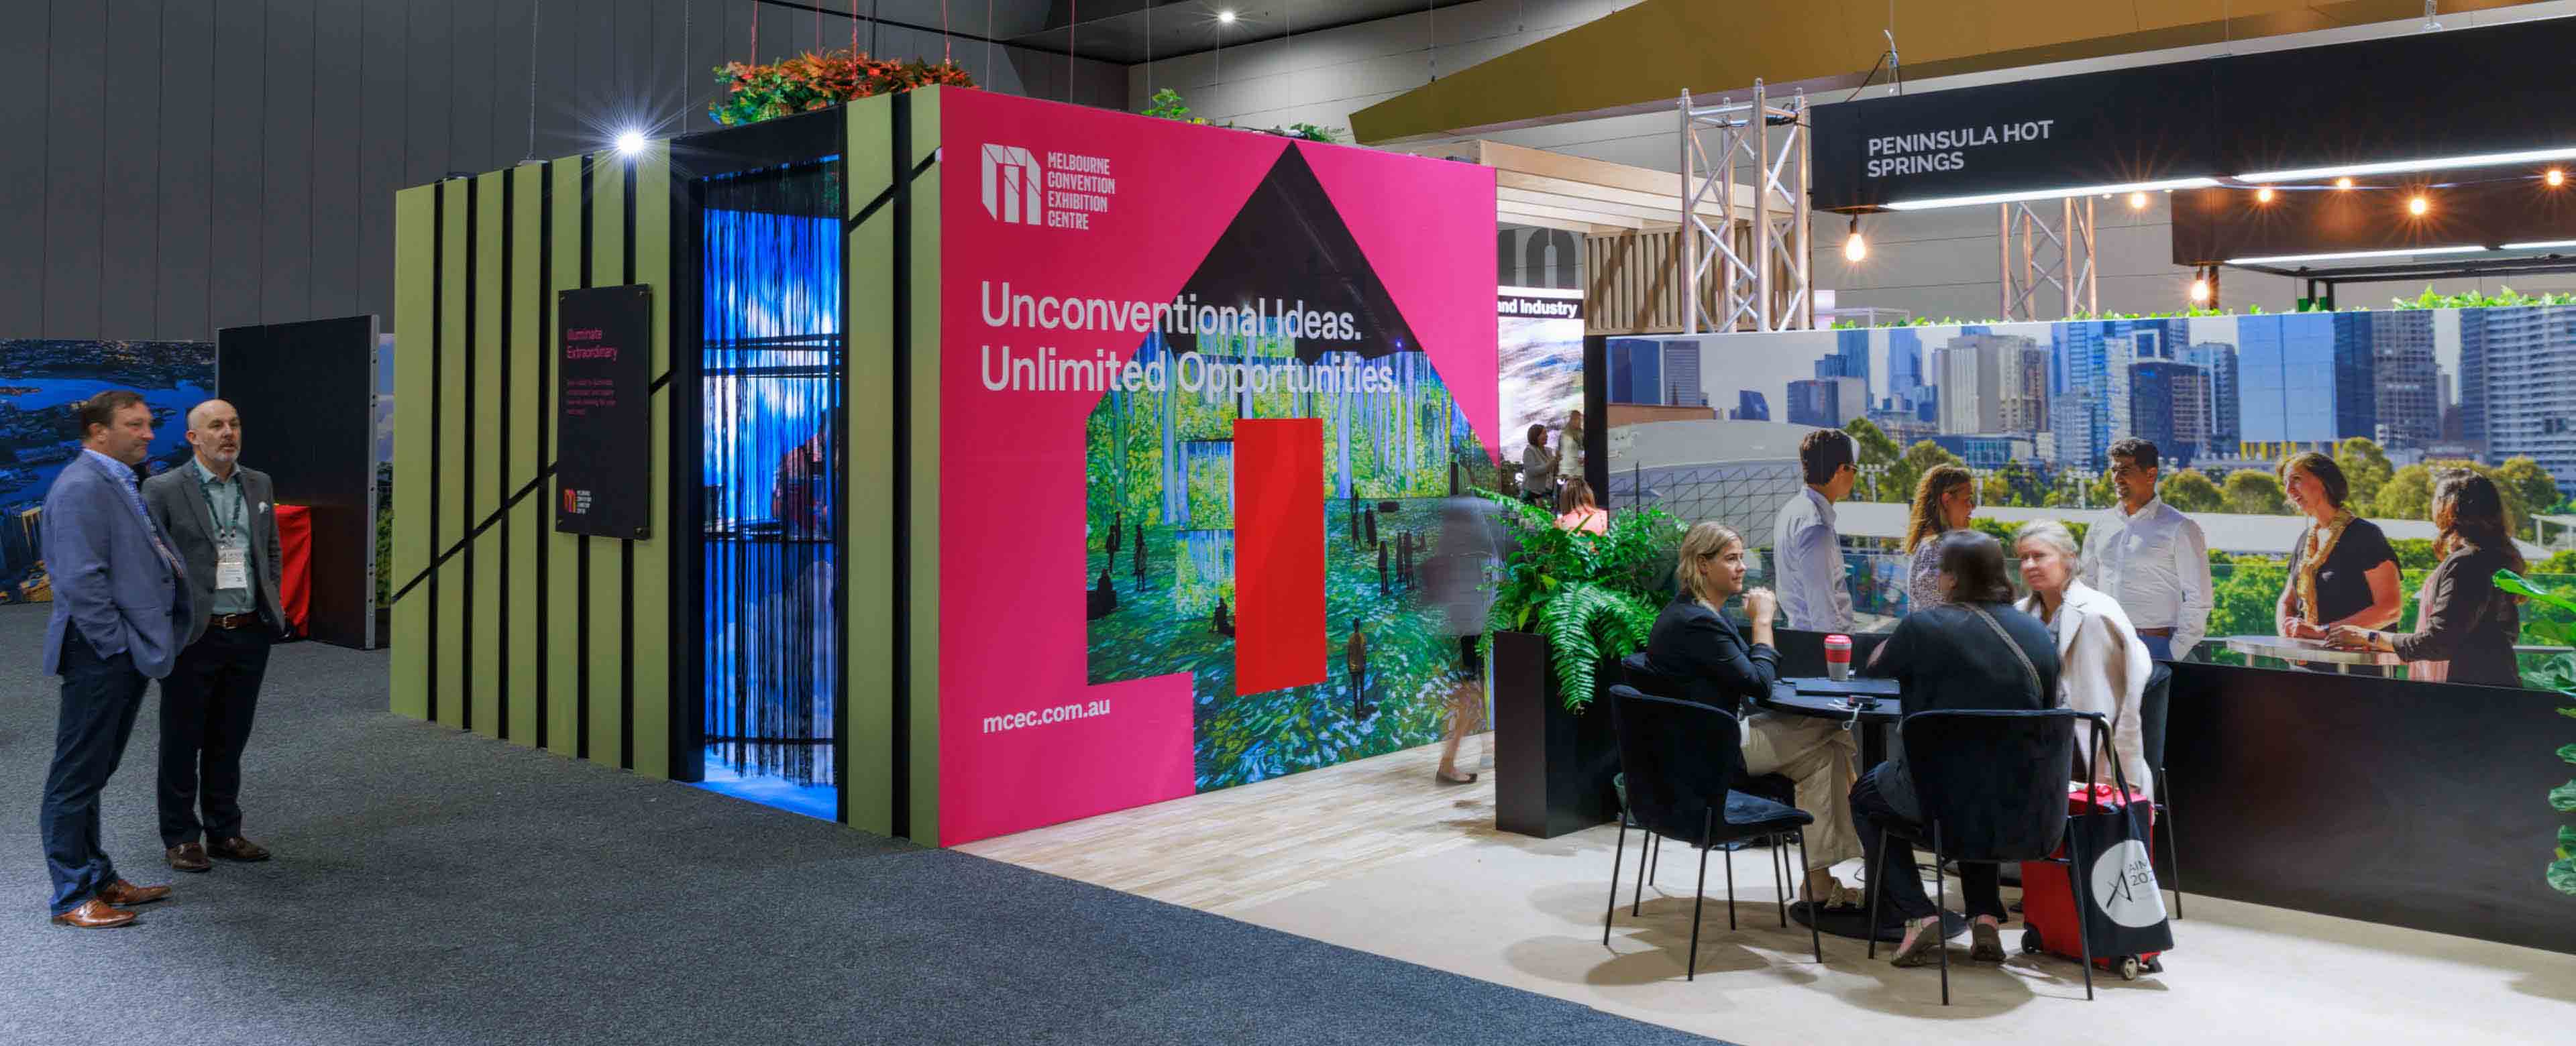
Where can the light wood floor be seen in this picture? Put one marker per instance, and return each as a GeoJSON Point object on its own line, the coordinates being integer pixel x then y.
{"type": "Point", "coordinates": [1241, 847]}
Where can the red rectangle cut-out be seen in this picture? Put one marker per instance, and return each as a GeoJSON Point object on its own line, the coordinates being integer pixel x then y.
{"type": "Point", "coordinates": [1279, 554]}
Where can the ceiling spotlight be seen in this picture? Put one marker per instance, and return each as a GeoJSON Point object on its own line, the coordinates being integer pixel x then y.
{"type": "Point", "coordinates": [1855, 248]}
{"type": "Point", "coordinates": [2343, 183]}
{"type": "Point", "coordinates": [2416, 205]}
{"type": "Point", "coordinates": [2137, 201]}
{"type": "Point", "coordinates": [1225, 18]}
{"type": "Point", "coordinates": [2555, 177]}
{"type": "Point", "coordinates": [2200, 291]}
{"type": "Point", "coordinates": [2263, 195]}
{"type": "Point", "coordinates": [630, 142]}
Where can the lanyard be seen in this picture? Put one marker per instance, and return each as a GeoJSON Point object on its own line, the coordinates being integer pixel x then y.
{"type": "Point", "coordinates": [227, 531]}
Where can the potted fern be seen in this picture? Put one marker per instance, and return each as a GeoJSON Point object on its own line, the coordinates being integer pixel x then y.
{"type": "Point", "coordinates": [1568, 607]}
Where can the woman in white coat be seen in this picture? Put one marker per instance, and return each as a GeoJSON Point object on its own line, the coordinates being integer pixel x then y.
{"type": "Point", "coordinates": [2103, 664]}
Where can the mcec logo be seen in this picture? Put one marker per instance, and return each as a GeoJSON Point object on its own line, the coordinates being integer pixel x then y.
{"type": "Point", "coordinates": [1011, 185]}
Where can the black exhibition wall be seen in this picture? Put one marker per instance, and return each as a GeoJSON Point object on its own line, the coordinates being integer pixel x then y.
{"type": "Point", "coordinates": [177, 168]}
{"type": "Point", "coordinates": [306, 396]}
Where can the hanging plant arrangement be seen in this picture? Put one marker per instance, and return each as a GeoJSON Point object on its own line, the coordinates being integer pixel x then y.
{"type": "Point", "coordinates": [809, 82]}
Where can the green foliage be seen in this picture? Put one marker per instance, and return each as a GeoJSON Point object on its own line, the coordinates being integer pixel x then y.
{"type": "Point", "coordinates": [1591, 595]}
{"type": "Point", "coordinates": [2256, 493]}
{"type": "Point", "coordinates": [2504, 298]}
{"type": "Point", "coordinates": [2562, 561]}
{"type": "Point", "coordinates": [2414, 553]}
{"type": "Point", "coordinates": [2527, 488]}
{"type": "Point", "coordinates": [1166, 104]}
{"type": "Point", "coordinates": [2560, 873]}
{"type": "Point", "coordinates": [2191, 491]}
{"type": "Point", "coordinates": [385, 556]}
{"type": "Point", "coordinates": [2246, 594]}
{"type": "Point", "coordinates": [1923, 456]}
{"type": "Point", "coordinates": [2366, 468]}
{"type": "Point", "coordinates": [808, 82]}
{"type": "Point", "coordinates": [2528, 491]}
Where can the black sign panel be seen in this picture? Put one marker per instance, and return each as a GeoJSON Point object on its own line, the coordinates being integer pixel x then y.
{"type": "Point", "coordinates": [2125, 127]}
{"type": "Point", "coordinates": [603, 419]}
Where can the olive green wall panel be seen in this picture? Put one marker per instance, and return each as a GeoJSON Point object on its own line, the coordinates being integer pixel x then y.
{"type": "Point", "coordinates": [524, 530]}
{"type": "Point", "coordinates": [415, 299]}
{"type": "Point", "coordinates": [867, 568]}
{"type": "Point", "coordinates": [480, 417]}
{"type": "Point", "coordinates": [563, 656]}
{"type": "Point", "coordinates": [446, 585]}
{"type": "Point", "coordinates": [923, 604]}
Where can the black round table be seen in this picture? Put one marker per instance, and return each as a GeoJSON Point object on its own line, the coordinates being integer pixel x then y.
{"type": "Point", "coordinates": [1868, 714]}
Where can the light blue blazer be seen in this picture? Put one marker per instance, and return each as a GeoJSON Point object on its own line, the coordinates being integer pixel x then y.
{"type": "Point", "coordinates": [108, 582]}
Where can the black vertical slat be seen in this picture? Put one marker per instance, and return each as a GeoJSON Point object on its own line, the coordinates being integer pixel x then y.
{"type": "Point", "coordinates": [502, 477]}
{"type": "Point", "coordinates": [626, 546]}
{"type": "Point", "coordinates": [900, 760]}
{"type": "Point", "coordinates": [545, 421]}
{"type": "Point", "coordinates": [581, 598]}
{"type": "Point", "coordinates": [687, 560]}
{"type": "Point", "coordinates": [465, 417]}
{"type": "Point", "coordinates": [437, 406]}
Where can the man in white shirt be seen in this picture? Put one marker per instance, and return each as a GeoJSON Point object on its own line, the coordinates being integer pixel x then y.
{"type": "Point", "coordinates": [2150, 558]}
{"type": "Point", "coordinates": [1808, 554]}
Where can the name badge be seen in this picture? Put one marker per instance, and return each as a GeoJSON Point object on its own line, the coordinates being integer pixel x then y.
{"type": "Point", "coordinates": [232, 568]}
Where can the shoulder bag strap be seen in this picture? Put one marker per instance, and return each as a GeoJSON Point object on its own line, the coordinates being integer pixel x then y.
{"type": "Point", "coordinates": [2018, 653]}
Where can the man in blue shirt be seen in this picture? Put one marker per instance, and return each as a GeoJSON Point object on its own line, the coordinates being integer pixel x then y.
{"type": "Point", "coordinates": [218, 514]}
{"type": "Point", "coordinates": [118, 617]}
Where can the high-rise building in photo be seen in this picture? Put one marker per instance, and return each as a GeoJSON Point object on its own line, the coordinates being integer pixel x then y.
{"type": "Point", "coordinates": [1850, 358]}
{"type": "Point", "coordinates": [1636, 370]}
{"type": "Point", "coordinates": [1750, 406]}
{"type": "Point", "coordinates": [1827, 402]}
{"type": "Point", "coordinates": [1992, 383]}
{"type": "Point", "coordinates": [2473, 375]}
{"type": "Point", "coordinates": [2089, 375]}
{"type": "Point", "coordinates": [2169, 403]}
{"type": "Point", "coordinates": [1905, 382]}
{"type": "Point", "coordinates": [2531, 386]}
{"type": "Point", "coordinates": [2218, 358]}
{"type": "Point", "coordinates": [1681, 374]}
{"type": "Point", "coordinates": [2355, 380]}
{"type": "Point", "coordinates": [2287, 392]}
{"type": "Point", "coordinates": [2407, 394]}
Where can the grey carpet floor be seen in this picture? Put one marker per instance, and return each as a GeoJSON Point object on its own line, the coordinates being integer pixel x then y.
{"type": "Point", "coordinates": [437, 887]}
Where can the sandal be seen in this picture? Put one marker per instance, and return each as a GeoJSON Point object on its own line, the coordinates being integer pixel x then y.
{"type": "Point", "coordinates": [1988, 946]}
{"type": "Point", "coordinates": [1444, 778]}
{"type": "Point", "coordinates": [1923, 948]}
{"type": "Point", "coordinates": [1824, 891]}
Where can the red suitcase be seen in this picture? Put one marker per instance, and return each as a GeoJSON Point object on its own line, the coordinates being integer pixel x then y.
{"type": "Point", "coordinates": [2050, 921]}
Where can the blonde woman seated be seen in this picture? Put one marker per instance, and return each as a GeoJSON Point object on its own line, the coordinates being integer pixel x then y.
{"type": "Point", "coordinates": [1723, 668]}
{"type": "Point", "coordinates": [2102, 661]}
{"type": "Point", "coordinates": [1943, 502]}
{"type": "Point", "coordinates": [1577, 511]}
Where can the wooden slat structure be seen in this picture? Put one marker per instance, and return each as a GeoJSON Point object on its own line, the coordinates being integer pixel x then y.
{"type": "Point", "coordinates": [1630, 220]}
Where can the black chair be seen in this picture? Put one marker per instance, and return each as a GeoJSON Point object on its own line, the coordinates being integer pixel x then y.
{"type": "Point", "coordinates": [1682, 760]}
{"type": "Point", "coordinates": [2151, 728]}
{"type": "Point", "coordinates": [1992, 785]}
{"type": "Point", "coordinates": [1775, 787]}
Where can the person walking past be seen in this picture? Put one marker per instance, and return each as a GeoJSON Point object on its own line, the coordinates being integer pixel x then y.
{"type": "Point", "coordinates": [1806, 549]}
{"type": "Point", "coordinates": [219, 515]}
{"type": "Point", "coordinates": [1538, 468]}
{"type": "Point", "coordinates": [120, 614]}
{"type": "Point", "coordinates": [2150, 558]}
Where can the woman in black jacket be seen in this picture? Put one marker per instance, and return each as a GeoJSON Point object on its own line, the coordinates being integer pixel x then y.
{"type": "Point", "coordinates": [2467, 628]}
{"type": "Point", "coordinates": [1716, 665]}
{"type": "Point", "coordinates": [1973, 652]}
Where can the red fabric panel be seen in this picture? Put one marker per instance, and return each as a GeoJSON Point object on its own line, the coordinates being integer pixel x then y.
{"type": "Point", "coordinates": [1279, 554]}
{"type": "Point", "coordinates": [295, 574]}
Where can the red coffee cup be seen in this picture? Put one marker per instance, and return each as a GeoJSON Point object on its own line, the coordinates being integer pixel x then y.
{"type": "Point", "coordinates": [1838, 649]}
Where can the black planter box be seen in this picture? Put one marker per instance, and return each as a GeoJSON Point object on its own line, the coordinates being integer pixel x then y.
{"type": "Point", "coordinates": [1552, 767]}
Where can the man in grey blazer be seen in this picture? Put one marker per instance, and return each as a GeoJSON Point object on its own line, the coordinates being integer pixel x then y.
{"type": "Point", "coordinates": [119, 615]}
{"type": "Point", "coordinates": [219, 516]}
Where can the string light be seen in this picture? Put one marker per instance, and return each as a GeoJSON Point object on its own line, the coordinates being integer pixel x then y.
{"type": "Point", "coordinates": [2200, 291]}
{"type": "Point", "coordinates": [2137, 201]}
{"type": "Point", "coordinates": [2343, 183]}
{"type": "Point", "coordinates": [630, 142]}
{"type": "Point", "coordinates": [2263, 195]}
{"type": "Point", "coordinates": [1855, 248]}
{"type": "Point", "coordinates": [2555, 177]}
{"type": "Point", "coordinates": [2417, 205]}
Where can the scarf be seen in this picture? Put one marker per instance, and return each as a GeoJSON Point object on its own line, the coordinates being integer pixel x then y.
{"type": "Point", "coordinates": [2315, 547]}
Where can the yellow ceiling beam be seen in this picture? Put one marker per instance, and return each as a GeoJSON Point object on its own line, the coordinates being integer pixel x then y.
{"type": "Point", "coordinates": [1640, 59]}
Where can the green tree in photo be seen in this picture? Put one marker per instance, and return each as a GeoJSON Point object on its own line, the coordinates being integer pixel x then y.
{"type": "Point", "coordinates": [2528, 491]}
{"type": "Point", "coordinates": [2247, 593]}
{"type": "Point", "coordinates": [1874, 450]}
{"type": "Point", "coordinates": [2255, 493]}
{"type": "Point", "coordinates": [1920, 458]}
{"type": "Point", "coordinates": [2365, 468]}
{"type": "Point", "coordinates": [2190, 491]}
{"type": "Point", "coordinates": [2409, 493]}
{"type": "Point", "coordinates": [1993, 490]}
{"type": "Point", "coordinates": [2020, 486]}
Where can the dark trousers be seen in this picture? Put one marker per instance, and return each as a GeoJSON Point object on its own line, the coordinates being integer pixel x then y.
{"type": "Point", "coordinates": [101, 698]}
{"type": "Point", "coordinates": [206, 708]}
{"type": "Point", "coordinates": [1891, 867]}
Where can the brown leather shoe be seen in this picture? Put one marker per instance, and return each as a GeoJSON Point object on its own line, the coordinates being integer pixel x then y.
{"type": "Point", "coordinates": [189, 857]}
{"type": "Point", "coordinates": [237, 849]}
{"type": "Point", "coordinates": [94, 914]}
{"type": "Point", "coordinates": [126, 895]}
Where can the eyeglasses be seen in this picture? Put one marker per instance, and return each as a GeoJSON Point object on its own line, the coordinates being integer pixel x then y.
{"type": "Point", "coordinates": [2124, 471]}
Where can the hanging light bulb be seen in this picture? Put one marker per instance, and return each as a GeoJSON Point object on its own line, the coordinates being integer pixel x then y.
{"type": "Point", "coordinates": [2263, 195]}
{"type": "Point", "coordinates": [2200, 291]}
{"type": "Point", "coordinates": [2137, 201]}
{"type": "Point", "coordinates": [2555, 177]}
{"type": "Point", "coordinates": [2417, 205]}
{"type": "Point", "coordinates": [2344, 182]}
{"type": "Point", "coordinates": [1854, 247]}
